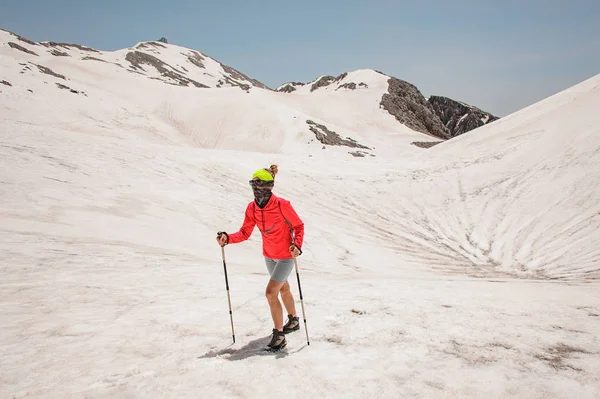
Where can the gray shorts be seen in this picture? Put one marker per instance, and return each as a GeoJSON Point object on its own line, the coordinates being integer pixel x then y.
{"type": "Point", "coordinates": [279, 269]}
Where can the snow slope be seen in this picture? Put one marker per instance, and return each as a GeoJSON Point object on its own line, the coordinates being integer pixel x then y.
{"type": "Point", "coordinates": [468, 270]}
{"type": "Point", "coordinates": [125, 91]}
{"type": "Point", "coordinates": [520, 196]}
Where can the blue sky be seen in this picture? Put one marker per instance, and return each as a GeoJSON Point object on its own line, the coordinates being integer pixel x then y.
{"type": "Point", "coordinates": [500, 55]}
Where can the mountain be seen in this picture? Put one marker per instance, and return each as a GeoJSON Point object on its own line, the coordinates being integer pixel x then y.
{"type": "Point", "coordinates": [183, 97]}
{"type": "Point", "coordinates": [468, 270]}
{"type": "Point", "coordinates": [183, 67]}
{"type": "Point", "coordinates": [457, 117]}
{"type": "Point", "coordinates": [399, 98]}
{"type": "Point", "coordinates": [437, 116]}
{"type": "Point", "coordinates": [338, 113]}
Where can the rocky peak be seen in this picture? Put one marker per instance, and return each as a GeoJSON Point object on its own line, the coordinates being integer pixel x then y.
{"type": "Point", "coordinates": [326, 81]}
{"type": "Point", "coordinates": [457, 117]}
{"type": "Point", "coordinates": [406, 103]}
{"type": "Point", "coordinates": [289, 87]}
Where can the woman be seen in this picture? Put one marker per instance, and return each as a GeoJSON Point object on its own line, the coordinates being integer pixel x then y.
{"type": "Point", "coordinates": [282, 235]}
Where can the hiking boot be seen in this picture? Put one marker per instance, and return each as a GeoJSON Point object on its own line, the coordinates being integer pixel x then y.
{"type": "Point", "coordinates": [278, 341]}
{"type": "Point", "coordinates": [293, 324]}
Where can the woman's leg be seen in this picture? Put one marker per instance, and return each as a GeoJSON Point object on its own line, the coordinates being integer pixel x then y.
{"type": "Point", "coordinates": [288, 299]}
{"type": "Point", "coordinates": [272, 294]}
{"type": "Point", "coordinates": [279, 271]}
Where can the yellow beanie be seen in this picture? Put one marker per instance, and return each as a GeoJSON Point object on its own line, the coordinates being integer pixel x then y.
{"type": "Point", "coordinates": [266, 174]}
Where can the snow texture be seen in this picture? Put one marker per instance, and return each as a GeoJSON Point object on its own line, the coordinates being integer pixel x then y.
{"type": "Point", "coordinates": [470, 269]}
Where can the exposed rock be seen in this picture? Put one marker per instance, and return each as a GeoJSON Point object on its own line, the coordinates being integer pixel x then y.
{"type": "Point", "coordinates": [349, 86]}
{"type": "Point", "coordinates": [359, 154]}
{"type": "Point", "coordinates": [329, 137]}
{"type": "Point", "coordinates": [87, 58]}
{"type": "Point", "coordinates": [20, 48]}
{"type": "Point", "coordinates": [163, 40]}
{"type": "Point", "coordinates": [425, 144]}
{"type": "Point", "coordinates": [322, 82]}
{"type": "Point", "coordinates": [150, 44]}
{"type": "Point", "coordinates": [410, 108]}
{"type": "Point", "coordinates": [69, 46]}
{"type": "Point", "coordinates": [48, 71]}
{"type": "Point", "coordinates": [24, 39]}
{"type": "Point", "coordinates": [288, 88]}
{"type": "Point", "coordinates": [137, 58]}
{"type": "Point", "coordinates": [196, 59]}
{"type": "Point", "coordinates": [59, 53]}
{"type": "Point", "coordinates": [326, 81]}
{"type": "Point", "coordinates": [63, 87]}
{"type": "Point", "coordinates": [4, 82]}
{"type": "Point", "coordinates": [352, 86]}
{"type": "Point", "coordinates": [240, 76]}
{"type": "Point", "coordinates": [21, 38]}
{"type": "Point", "coordinates": [458, 117]}
{"type": "Point", "coordinates": [233, 83]}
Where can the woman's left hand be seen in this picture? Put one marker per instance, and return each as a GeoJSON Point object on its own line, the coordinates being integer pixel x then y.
{"type": "Point", "coordinates": [294, 251]}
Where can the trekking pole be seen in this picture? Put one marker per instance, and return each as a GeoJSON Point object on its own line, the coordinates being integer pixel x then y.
{"type": "Point", "coordinates": [301, 299]}
{"type": "Point", "coordinates": [227, 287]}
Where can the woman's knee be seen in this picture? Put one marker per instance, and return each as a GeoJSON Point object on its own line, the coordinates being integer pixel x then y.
{"type": "Point", "coordinates": [272, 291]}
{"type": "Point", "coordinates": [285, 288]}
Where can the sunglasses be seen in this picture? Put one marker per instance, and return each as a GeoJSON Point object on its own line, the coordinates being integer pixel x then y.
{"type": "Point", "coordinates": [261, 183]}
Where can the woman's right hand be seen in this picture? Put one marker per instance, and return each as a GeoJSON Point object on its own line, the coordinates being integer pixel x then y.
{"type": "Point", "coordinates": [222, 238]}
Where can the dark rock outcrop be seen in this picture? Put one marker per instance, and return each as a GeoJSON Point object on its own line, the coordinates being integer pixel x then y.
{"type": "Point", "coordinates": [352, 86]}
{"type": "Point", "coordinates": [48, 71]}
{"type": "Point", "coordinates": [287, 89]}
{"type": "Point", "coordinates": [69, 46]}
{"type": "Point", "coordinates": [24, 39]}
{"type": "Point", "coordinates": [20, 48]}
{"type": "Point", "coordinates": [459, 118]}
{"type": "Point", "coordinates": [87, 58]}
{"type": "Point", "coordinates": [196, 59]}
{"type": "Point", "coordinates": [63, 87]}
{"type": "Point", "coordinates": [240, 76]}
{"type": "Point", "coordinates": [137, 59]}
{"type": "Point", "coordinates": [163, 40]}
{"type": "Point", "coordinates": [425, 144]}
{"type": "Point", "coordinates": [21, 38]}
{"type": "Point", "coordinates": [290, 87]}
{"type": "Point", "coordinates": [326, 81]}
{"type": "Point", "coordinates": [406, 103]}
{"type": "Point", "coordinates": [149, 45]}
{"type": "Point", "coordinates": [4, 82]}
{"type": "Point", "coordinates": [329, 137]}
{"type": "Point", "coordinates": [57, 53]}
{"type": "Point", "coordinates": [349, 86]}
{"type": "Point", "coordinates": [360, 154]}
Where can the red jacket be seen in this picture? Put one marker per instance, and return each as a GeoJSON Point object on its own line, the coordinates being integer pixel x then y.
{"type": "Point", "coordinates": [271, 221]}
